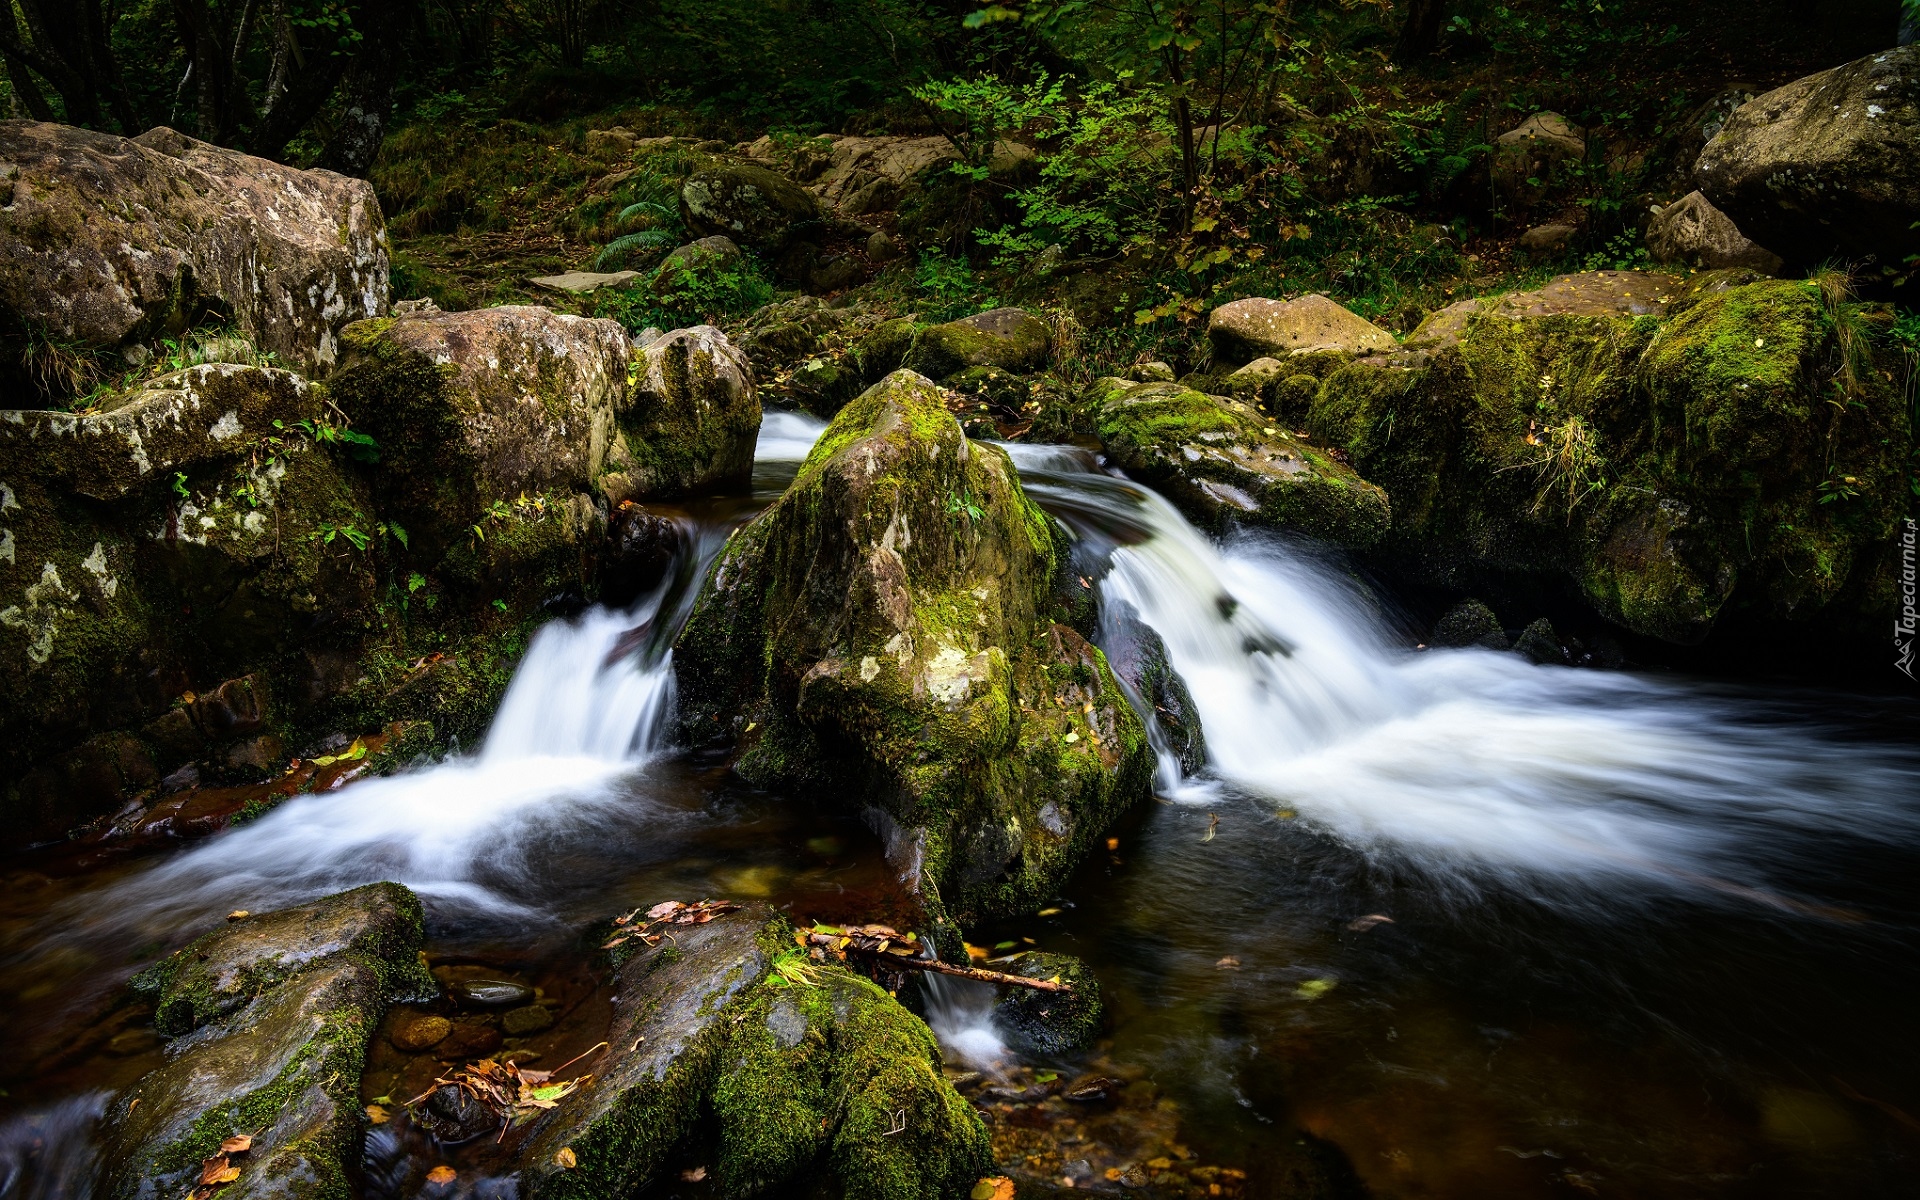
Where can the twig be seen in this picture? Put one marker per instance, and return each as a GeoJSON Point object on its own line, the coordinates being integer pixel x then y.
{"type": "Point", "coordinates": [903, 962]}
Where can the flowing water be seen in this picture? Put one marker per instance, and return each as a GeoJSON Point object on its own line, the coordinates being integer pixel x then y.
{"type": "Point", "coordinates": [1470, 926]}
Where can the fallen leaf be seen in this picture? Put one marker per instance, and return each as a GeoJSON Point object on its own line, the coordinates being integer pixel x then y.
{"type": "Point", "coordinates": [441, 1174]}
{"type": "Point", "coordinates": [1313, 989]}
{"type": "Point", "coordinates": [226, 1176]}
{"type": "Point", "coordinates": [1362, 924]}
{"type": "Point", "coordinates": [566, 1158]}
{"type": "Point", "coordinates": [994, 1187]}
{"type": "Point", "coordinates": [1050, 912]}
{"type": "Point", "coordinates": [238, 914]}
{"type": "Point", "coordinates": [1113, 843]}
{"type": "Point", "coordinates": [1228, 963]}
{"type": "Point", "coordinates": [239, 1143]}
{"type": "Point", "coordinates": [378, 1115]}
{"type": "Point", "coordinates": [212, 1168]}
{"type": "Point", "coordinates": [694, 1174]}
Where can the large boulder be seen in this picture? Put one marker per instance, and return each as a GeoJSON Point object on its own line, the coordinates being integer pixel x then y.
{"type": "Point", "coordinates": [1668, 463]}
{"type": "Point", "coordinates": [786, 1071]}
{"type": "Point", "coordinates": [1827, 165]}
{"type": "Point", "coordinates": [759, 209]}
{"type": "Point", "coordinates": [106, 240]}
{"type": "Point", "coordinates": [1692, 231]}
{"type": "Point", "coordinates": [1246, 330]}
{"type": "Point", "coordinates": [1007, 339]}
{"type": "Point", "coordinates": [690, 421]}
{"type": "Point", "coordinates": [175, 539]}
{"type": "Point", "coordinates": [1219, 460]}
{"type": "Point", "coordinates": [475, 407]}
{"type": "Point", "coordinates": [281, 1009]}
{"type": "Point", "coordinates": [882, 636]}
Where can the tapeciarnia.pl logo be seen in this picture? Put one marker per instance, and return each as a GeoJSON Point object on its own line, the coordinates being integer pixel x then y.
{"type": "Point", "coordinates": [1904, 624]}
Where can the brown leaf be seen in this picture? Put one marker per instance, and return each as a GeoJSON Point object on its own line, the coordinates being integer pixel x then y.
{"type": "Point", "coordinates": [994, 1187]}
{"type": "Point", "coordinates": [378, 1115]}
{"type": "Point", "coordinates": [226, 1176]}
{"type": "Point", "coordinates": [694, 1174]}
{"type": "Point", "coordinates": [566, 1158]}
{"type": "Point", "coordinates": [1229, 963]}
{"type": "Point", "coordinates": [1362, 924]}
{"type": "Point", "coordinates": [212, 1167]}
{"type": "Point", "coordinates": [441, 1175]}
{"type": "Point", "coordinates": [665, 908]}
{"type": "Point", "coordinates": [239, 1143]}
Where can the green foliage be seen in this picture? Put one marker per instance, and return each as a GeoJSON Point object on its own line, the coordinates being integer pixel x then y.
{"type": "Point", "coordinates": [688, 295]}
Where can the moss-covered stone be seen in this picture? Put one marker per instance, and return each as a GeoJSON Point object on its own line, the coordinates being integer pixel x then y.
{"type": "Point", "coordinates": [790, 1071]}
{"type": "Point", "coordinates": [1049, 1024]}
{"type": "Point", "coordinates": [1715, 450]}
{"type": "Point", "coordinates": [758, 208]}
{"type": "Point", "coordinates": [379, 924]}
{"type": "Point", "coordinates": [689, 423]}
{"type": "Point", "coordinates": [884, 628]}
{"type": "Point", "coordinates": [1009, 339]}
{"type": "Point", "coordinates": [1218, 460]}
{"type": "Point", "coordinates": [289, 1002]}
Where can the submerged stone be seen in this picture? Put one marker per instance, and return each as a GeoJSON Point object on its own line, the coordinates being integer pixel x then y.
{"type": "Point", "coordinates": [1469, 623]}
{"type": "Point", "coordinates": [1050, 1024]}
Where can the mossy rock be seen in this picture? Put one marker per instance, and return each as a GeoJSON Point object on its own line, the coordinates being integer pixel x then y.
{"type": "Point", "coordinates": [1010, 339]}
{"type": "Point", "coordinates": [1668, 466]}
{"type": "Point", "coordinates": [1050, 1024]}
{"type": "Point", "coordinates": [886, 628]}
{"type": "Point", "coordinates": [760, 209]}
{"type": "Point", "coordinates": [379, 924]}
{"type": "Point", "coordinates": [1139, 657]}
{"type": "Point", "coordinates": [1218, 460]}
{"type": "Point", "coordinates": [689, 423]}
{"type": "Point", "coordinates": [289, 1015]}
{"type": "Point", "coordinates": [1469, 623]}
{"type": "Point", "coordinates": [788, 1078]}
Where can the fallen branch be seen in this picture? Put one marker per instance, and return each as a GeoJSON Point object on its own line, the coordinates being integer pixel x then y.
{"type": "Point", "coordinates": [842, 944]}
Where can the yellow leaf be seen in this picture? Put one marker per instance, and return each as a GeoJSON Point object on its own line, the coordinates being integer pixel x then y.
{"type": "Point", "coordinates": [566, 1158]}
{"type": "Point", "coordinates": [378, 1115]}
{"type": "Point", "coordinates": [441, 1175]}
{"type": "Point", "coordinates": [226, 1176]}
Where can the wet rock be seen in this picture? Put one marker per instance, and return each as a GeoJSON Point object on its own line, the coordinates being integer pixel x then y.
{"type": "Point", "coordinates": [1692, 231]}
{"type": "Point", "coordinates": [532, 1018]}
{"type": "Point", "coordinates": [827, 1082]}
{"type": "Point", "coordinates": [1540, 645]}
{"type": "Point", "coordinates": [1139, 659]}
{"type": "Point", "coordinates": [378, 924]}
{"type": "Point", "coordinates": [484, 992]}
{"type": "Point", "coordinates": [751, 205]}
{"type": "Point", "coordinates": [885, 628]}
{"type": "Point", "coordinates": [1009, 339]}
{"type": "Point", "coordinates": [1525, 159]}
{"type": "Point", "coordinates": [1827, 165]}
{"type": "Point", "coordinates": [453, 1115]}
{"type": "Point", "coordinates": [475, 407]}
{"type": "Point", "coordinates": [1219, 461]}
{"type": "Point", "coordinates": [643, 547]}
{"type": "Point", "coordinates": [1050, 1024]}
{"type": "Point", "coordinates": [107, 240]}
{"type": "Point", "coordinates": [279, 1055]}
{"type": "Point", "coordinates": [690, 421]}
{"type": "Point", "coordinates": [1245, 330]}
{"type": "Point", "coordinates": [421, 1033]}
{"type": "Point", "coordinates": [1469, 623]}
{"type": "Point", "coordinates": [468, 1040]}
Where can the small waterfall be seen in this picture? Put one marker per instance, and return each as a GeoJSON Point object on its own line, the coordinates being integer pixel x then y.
{"type": "Point", "coordinates": [1465, 764]}
{"type": "Point", "coordinates": [960, 1013]}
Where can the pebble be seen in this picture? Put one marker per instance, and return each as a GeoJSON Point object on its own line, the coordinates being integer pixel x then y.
{"type": "Point", "coordinates": [533, 1018]}
{"type": "Point", "coordinates": [492, 993]}
{"type": "Point", "coordinates": [421, 1033]}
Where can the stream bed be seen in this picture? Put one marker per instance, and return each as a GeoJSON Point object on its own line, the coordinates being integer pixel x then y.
{"type": "Point", "coordinates": [1430, 923]}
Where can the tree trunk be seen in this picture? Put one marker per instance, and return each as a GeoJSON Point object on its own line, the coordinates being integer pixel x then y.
{"type": "Point", "coordinates": [1420, 36]}
{"type": "Point", "coordinates": [366, 95]}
